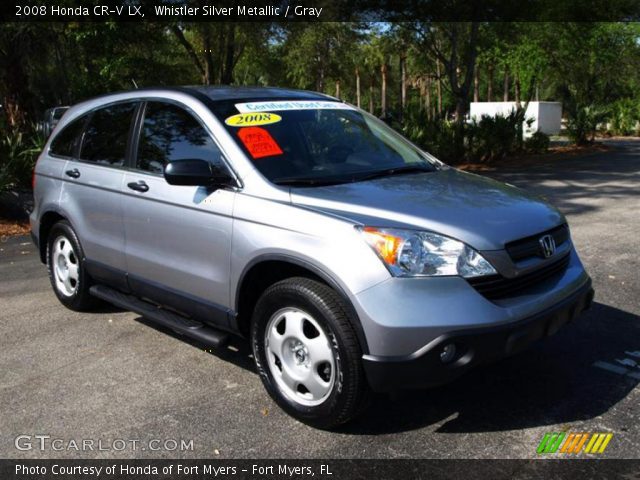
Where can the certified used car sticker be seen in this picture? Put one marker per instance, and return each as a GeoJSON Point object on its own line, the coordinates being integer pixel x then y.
{"type": "Point", "coordinates": [259, 142]}
{"type": "Point", "coordinates": [291, 105]}
{"type": "Point", "coordinates": [252, 119]}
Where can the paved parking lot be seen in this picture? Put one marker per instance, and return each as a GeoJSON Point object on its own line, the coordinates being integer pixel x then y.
{"type": "Point", "coordinates": [112, 375]}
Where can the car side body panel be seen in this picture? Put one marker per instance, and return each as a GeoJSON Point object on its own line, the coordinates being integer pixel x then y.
{"type": "Point", "coordinates": [46, 194]}
{"type": "Point", "coordinates": [179, 237]}
{"type": "Point", "coordinates": [331, 244]}
{"type": "Point", "coordinates": [93, 204]}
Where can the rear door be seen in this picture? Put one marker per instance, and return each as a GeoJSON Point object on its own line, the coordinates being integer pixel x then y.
{"type": "Point", "coordinates": [91, 195]}
{"type": "Point", "coordinates": [178, 237]}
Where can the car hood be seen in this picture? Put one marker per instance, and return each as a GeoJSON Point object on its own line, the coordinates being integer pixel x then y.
{"type": "Point", "coordinates": [479, 211]}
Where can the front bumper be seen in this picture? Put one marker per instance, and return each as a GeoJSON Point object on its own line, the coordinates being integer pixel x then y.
{"type": "Point", "coordinates": [475, 346]}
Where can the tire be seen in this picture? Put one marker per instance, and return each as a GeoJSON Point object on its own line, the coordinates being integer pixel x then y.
{"type": "Point", "coordinates": [66, 267]}
{"type": "Point", "coordinates": [307, 353]}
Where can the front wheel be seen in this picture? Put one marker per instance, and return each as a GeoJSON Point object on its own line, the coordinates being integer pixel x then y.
{"type": "Point", "coordinates": [307, 352]}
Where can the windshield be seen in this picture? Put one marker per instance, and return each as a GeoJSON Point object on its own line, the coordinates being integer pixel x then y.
{"type": "Point", "coordinates": [315, 142]}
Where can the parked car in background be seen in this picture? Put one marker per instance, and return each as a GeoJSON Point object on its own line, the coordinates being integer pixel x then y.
{"type": "Point", "coordinates": [50, 119]}
{"type": "Point", "coordinates": [350, 259]}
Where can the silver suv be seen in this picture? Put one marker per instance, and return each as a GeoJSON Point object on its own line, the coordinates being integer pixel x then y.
{"type": "Point", "coordinates": [353, 261]}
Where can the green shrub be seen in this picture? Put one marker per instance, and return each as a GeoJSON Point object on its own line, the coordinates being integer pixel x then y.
{"type": "Point", "coordinates": [624, 116]}
{"type": "Point", "coordinates": [492, 138]}
{"type": "Point", "coordinates": [434, 135]}
{"type": "Point", "coordinates": [18, 154]}
{"type": "Point", "coordinates": [537, 143]}
{"type": "Point", "coordinates": [582, 123]}
{"type": "Point", "coordinates": [485, 140]}
{"type": "Point", "coordinates": [6, 178]}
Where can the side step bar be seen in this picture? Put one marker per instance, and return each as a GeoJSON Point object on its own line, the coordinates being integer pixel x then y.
{"type": "Point", "coordinates": [182, 325]}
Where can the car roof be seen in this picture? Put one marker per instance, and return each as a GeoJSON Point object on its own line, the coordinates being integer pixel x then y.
{"type": "Point", "coordinates": [224, 92]}
{"type": "Point", "coordinates": [209, 94]}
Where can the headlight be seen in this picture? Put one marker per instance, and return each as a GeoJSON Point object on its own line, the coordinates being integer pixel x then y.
{"type": "Point", "coordinates": [410, 253]}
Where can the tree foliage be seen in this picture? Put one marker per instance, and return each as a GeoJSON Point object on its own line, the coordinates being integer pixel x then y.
{"type": "Point", "coordinates": [592, 68]}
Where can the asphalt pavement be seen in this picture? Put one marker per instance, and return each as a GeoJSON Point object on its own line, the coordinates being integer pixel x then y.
{"type": "Point", "coordinates": [113, 378]}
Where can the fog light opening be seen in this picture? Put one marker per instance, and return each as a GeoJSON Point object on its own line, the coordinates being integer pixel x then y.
{"type": "Point", "coordinates": [448, 353]}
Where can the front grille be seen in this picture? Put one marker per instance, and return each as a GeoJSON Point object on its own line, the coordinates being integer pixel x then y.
{"type": "Point", "coordinates": [496, 286]}
{"type": "Point", "coordinates": [530, 246]}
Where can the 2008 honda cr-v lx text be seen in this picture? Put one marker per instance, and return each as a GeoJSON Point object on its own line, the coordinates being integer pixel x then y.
{"type": "Point", "coordinates": [352, 260]}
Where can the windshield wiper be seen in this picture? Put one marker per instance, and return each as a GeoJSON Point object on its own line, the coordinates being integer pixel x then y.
{"type": "Point", "coordinates": [308, 182]}
{"type": "Point", "coordinates": [319, 181]}
{"type": "Point", "coordinates": [401, 170]}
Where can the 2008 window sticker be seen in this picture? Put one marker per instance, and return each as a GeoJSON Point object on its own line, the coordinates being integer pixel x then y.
{"type": "Point", "coordinates": [252, 119]}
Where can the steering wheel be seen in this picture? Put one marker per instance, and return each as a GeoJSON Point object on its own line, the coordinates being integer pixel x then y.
{"type": "Point", "coordinates": [339, 153]}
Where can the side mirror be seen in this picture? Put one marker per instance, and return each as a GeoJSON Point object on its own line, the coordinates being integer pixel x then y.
{"type": "Point", "coordinates": [195, 172]}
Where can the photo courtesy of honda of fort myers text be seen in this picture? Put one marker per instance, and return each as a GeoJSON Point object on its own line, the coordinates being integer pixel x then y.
{"type": "Point", "coordinates": [319, 239]}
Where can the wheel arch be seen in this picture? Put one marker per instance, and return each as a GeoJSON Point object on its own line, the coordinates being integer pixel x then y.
{"type": "Point", "coordinates": [47, 221]}
{"type": "Point", "coordinates": [265, 270]}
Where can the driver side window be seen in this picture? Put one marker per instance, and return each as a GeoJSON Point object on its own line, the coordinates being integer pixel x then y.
{"type": "Point", "coordinates": [170, 133]}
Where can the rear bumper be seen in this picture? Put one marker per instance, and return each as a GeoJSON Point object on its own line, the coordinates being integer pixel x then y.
{"type": "Point", "coordinates": [34, 227]}
{"type": "Point", "coordinates": [36, 242]}
{"type": "Point", "coordinates": [475, 346]}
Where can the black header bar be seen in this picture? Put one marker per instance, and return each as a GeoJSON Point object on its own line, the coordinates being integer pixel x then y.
{"type": "Point", "coordinates": [319, 10]}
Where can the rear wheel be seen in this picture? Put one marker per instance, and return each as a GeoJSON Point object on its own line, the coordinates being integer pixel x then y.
{"type": "Point", "coordinates": [307, 352]}
{"type": "Point", "coordinates": [65, 263]}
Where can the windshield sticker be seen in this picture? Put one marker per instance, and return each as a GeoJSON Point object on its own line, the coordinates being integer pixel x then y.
{"type": "Point", "coordinates": [291, 105]}
{"type": "Point", "coordinates": [252, 119]}
{"type": "Point", "coordinates": [259, 142]}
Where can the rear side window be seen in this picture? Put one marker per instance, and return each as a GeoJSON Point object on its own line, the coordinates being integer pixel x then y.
{"type": "Point", "coordinates": [105, 138]}
{"type": "Point", "coordinates": [170, 133]}
{"type": "Point", "coordinates": [64, 145]}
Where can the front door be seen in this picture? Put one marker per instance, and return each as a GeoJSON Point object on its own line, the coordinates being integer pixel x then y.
{"type": "Point", "coordinates": [178, 238]}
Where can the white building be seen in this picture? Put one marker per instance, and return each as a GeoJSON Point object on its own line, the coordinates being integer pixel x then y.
{"type": "Point", "coordinates": [547, 116]}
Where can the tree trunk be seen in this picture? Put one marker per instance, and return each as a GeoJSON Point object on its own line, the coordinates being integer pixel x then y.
{"type": "Point", "coordinates": [358, 99]}
{"type": "Point", "coordinates": [522, 109]}
{"type": "Point", "coordinates": [383, 89]}
{"type": "Point", "coordinates": [461, 109]}
{"type": "Point", "coordinates": [490, 83]}
{"type": "Point", "coordinates": [476, 85]}
{"type": "Point", "coordinates": [371, 103]}
{"type": "Point", "coordinates": [516, 90]}
{"type": "Point", "coordinates": [337, 88]}
{"type": "Point", "coordinates": [209, 70]}
{"type": "Point", "coordinates": [190, 50]}
{"type": "Point", "coordinates": [61, 66]}
{"type": "Point", "coordinates": [439, 87]}
{"type": "Point", "coordinates": [320, 80]}
{"type": "Point", "coordinates": [428, 99]}
{"type": "Point", "coordinates": [505, 89]}
{"type": "Point", "coordinates": [464, 50]}
{"type": "Point", "coordinates": [226, 78]}
{"type": "Point", "coordinates": [403, 82]}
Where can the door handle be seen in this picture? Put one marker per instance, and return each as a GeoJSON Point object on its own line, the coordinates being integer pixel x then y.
{"type": "Point", "coordinates": [139, 186]}
{"type": "Point", "coordinates": [75, 173]}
